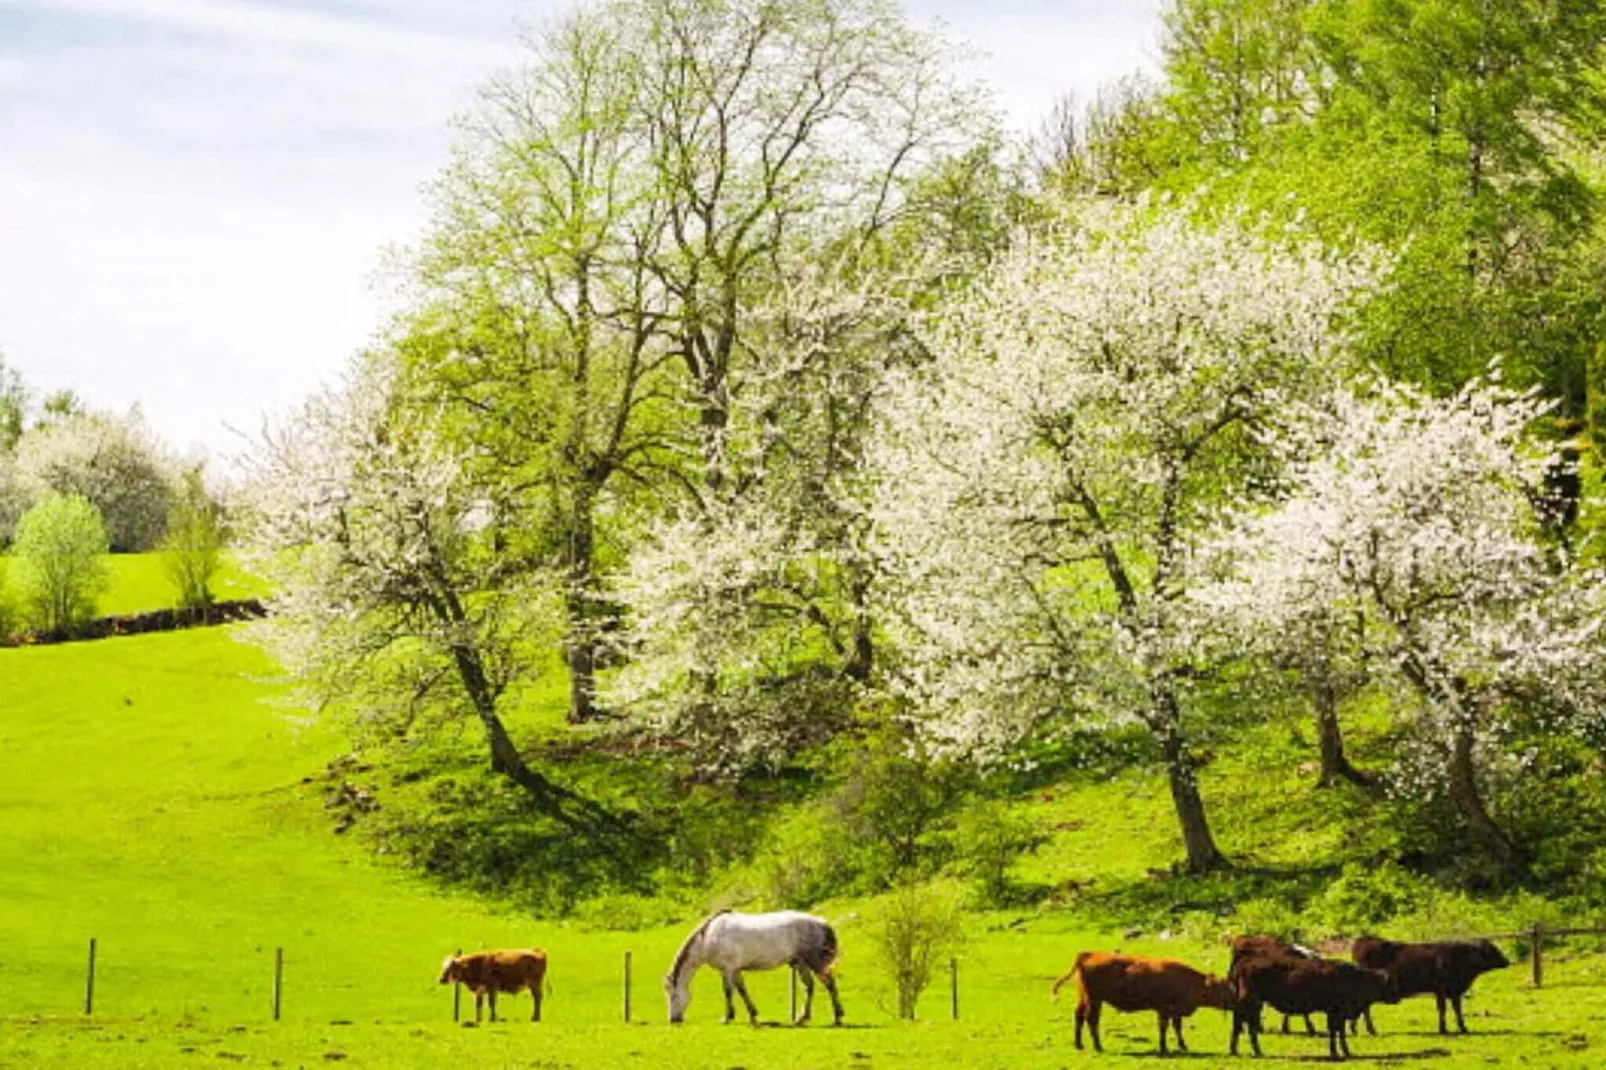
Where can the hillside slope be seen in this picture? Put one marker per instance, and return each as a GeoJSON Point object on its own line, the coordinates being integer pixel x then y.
{"type": "Point", "coordinates": [152, 796]}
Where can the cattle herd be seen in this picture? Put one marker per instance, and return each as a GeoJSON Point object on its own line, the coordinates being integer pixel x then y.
{"type": "Point", "coordinates": [1265, 972]}
{"type": "Point", "coordinates": [1262, 972]}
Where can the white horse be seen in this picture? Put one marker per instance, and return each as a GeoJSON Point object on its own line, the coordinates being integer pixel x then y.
{"type": "Point", "coordinates": [732, 942]}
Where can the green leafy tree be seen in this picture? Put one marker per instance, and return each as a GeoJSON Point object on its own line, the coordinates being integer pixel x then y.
{"type": "Point", "coordinates": [60, 547]}
{"type": "Point", "coordinates": [193, 549]}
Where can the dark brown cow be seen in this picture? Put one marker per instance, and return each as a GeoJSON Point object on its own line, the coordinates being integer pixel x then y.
{"type": "Point", "coordinates": [1446, 969]}
{"type": "Point", "coordinates": [485, 973]}
{"type": "Point", "coordinates": [1304, 986]}
{"type": "Point", "coordinates": [1271, 947]}
{"type": "Point", "coordinates": [1173, 990]}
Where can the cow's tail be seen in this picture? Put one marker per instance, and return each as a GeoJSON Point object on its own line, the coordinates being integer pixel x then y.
{"type": "Point", "coordinates": [1074, 971]}
{"type": "Point", "coordinates": [830, 953]}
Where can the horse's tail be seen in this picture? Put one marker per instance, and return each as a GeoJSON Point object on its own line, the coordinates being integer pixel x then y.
{"type": "Point", "coordinates": [830, 951]}
{"type": "Point", "coordinates": [1074, 971]}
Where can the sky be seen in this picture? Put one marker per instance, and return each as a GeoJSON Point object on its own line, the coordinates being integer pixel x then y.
{"type": "Point", "coordinates": [196, 195]}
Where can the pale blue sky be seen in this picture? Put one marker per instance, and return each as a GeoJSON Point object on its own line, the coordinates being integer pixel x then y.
{"type": "Point", "coordinates": [194, 193]}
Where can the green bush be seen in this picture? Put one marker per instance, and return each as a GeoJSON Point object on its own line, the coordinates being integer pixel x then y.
{"type": "Point", "coordinates": [60, 547]}
{"type": "Point", "coordinates": [989, 837]}
{"type": "Point", "coordinates": [913, 929]}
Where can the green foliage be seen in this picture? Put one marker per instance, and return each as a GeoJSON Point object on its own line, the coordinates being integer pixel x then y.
{"type": "Point", "coordinates": [192, 553]}
{"type": "Point", "coordinates": [914, 928]}
{"type": "Point", "coordinates": [59, 545]}
{"type": "Point", "coordinates": [989, 837]}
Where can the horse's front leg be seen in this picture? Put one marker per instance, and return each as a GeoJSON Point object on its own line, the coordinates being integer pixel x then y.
{"type": "Point", "coordinates": [730, 1007]}
{"type": "Point", "coordinates": [741, 989]}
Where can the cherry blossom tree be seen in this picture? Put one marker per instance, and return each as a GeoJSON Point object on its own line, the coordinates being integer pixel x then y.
{"type": "Point", "coordinates": [1040, 480]}
{"type": "Point", "coordinates": [392, 601]}
{"type": "Point", "coordinates": [1418, 520]}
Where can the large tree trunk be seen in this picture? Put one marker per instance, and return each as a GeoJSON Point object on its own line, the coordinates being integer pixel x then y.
{"type": "Point", "coordinates": [1335, 764]}
{"type": "Point", "coordinates": [1203, 854]}
{"type": "Point", "coordinates": [1486, 832]}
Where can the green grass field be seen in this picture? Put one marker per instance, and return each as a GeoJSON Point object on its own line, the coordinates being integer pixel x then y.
{"type": "Point", "coordinates": [152, 797]}
{"type": "Point", "coordinates": [139, 583]}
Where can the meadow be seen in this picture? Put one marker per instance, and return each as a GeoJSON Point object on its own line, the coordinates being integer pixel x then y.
{"type": "Point", "coordinates": [158, 793]}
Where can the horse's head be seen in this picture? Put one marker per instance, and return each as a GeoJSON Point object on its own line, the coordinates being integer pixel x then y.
{"type": "Point", "coordinates": [678, 991]}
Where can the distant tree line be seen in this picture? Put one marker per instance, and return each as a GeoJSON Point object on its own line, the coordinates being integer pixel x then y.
{"type": "Point", "coordinates": [76, 485]}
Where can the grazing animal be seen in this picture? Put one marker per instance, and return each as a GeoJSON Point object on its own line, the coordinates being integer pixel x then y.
{"type": "Point", "coordinates": [1446, 969]}
{"type": "Point", "coordinates": [1172, 990]}
{"type": "Point", "coordinates": [731, 942]}
{"type": "Point", "coordinates": [1305, 986]}
{"type": "Point", "coordinates": [1271, 947]}
{"type": "Point", "coordinates": [486, 973]}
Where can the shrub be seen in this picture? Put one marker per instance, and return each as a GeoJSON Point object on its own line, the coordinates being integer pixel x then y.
{"type": "Point", "coordinates": [59, 546]}
{"type": "Point", "coordinates": [990, 837]}
{"type": "Point", "coordinates": [912, 930]}
{"type": "Point", "coordinates": [193, 548]}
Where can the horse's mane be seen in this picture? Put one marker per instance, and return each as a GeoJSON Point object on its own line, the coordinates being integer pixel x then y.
{"type": "Point", "coordinates": [685, 947]}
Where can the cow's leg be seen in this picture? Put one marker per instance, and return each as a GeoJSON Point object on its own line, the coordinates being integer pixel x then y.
{"type": "Point", "coordinates": [1439, 998]}
{"type": "Point", "coordinates": [1371, 1030]}
{"type": "Point", "coordinates": [1286, 1018]}
{"type": "Point", "coordinates": [1310, 1027]}
{"type": "Point", "coordinates": [1237, 1028]}
{"type": "Point", "coordinates": [1176, 1024]}
{"type": "Point", "coordinates": [1333, 1020]}
{"type": "Point", "coordinates": [1254, 1028]}
{"type": "Point", "coordinates": [491, 995]}
{"type": "Point", "coordinates": [1165, 1024]}
{"type": "Point", "coordinates": [479, 1006]}
{"type": "Point", "coordinates": [1093, 1025]}
{"type": "Point", "coordinates": [730, 1007]}
{"type": "Point", "coordinates": [829, 980]}
{"type": "Point", "coordinates": [1081, 1020]}
{"type": "Point", "coordinates": [741, 990]}
{"type": "Point", "coordinates": [1460, 1022]}
{"type": "Point", "coordinates": [808, 994]}
{"type": "Point", "coordinates": [535, 995]}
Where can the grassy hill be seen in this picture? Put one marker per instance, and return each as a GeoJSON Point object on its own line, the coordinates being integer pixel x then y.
{"type": "Point", "coordinates": [154, 794]}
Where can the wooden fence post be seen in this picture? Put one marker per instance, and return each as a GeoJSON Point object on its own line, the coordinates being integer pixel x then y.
{"type": "Point", "coordinates": [627, 986]}
{"type": "Point", "coordinates": [278, 981]}
{"type": "Point", "coordinates": [1539, 954]}
{"type": "Point", "coordinates": [457, 995]}
{"type": "Point", "coordinates": [89, 980]}
{"type": "Point", "coordinates": [953, 985]}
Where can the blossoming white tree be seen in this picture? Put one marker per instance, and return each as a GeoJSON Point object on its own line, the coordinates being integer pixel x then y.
{"type": "Point", "coordinates": [1414, 518]}
{"type": "Point", "coordinates": [391, 599]}
{"type": "Point", "coordinates": [1083, 410]}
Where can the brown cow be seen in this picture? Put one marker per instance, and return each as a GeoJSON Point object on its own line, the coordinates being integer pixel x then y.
{"type": "Point", "coordinates": [1305, 986]}
{"type": "Point", "coordinates": [1271, 947]}
{"type": "Point", "coordinates": [1446, 969]}
{"type": "Point", "coordinates": [488, 972]}
{"type": "Point", "coordinates": [1173, 990]}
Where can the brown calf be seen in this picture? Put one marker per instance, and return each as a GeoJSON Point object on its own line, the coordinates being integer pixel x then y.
{"type": "Point", "coordinates": [486, 973]}
{"type": "Point", "coordinates": [1173, 990]}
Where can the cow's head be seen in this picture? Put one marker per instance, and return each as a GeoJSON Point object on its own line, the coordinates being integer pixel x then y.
{"type": "Point", "coordinates": [449, 970]}
{"type": "Point", "coordinates": [1221, 993]}
{"type": "Point", "coordinates": [1385, 986]}
{"type": "Point", "coordinates": [1490, 957]}
{"type": "Point", "coordinates": [678, 992]}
